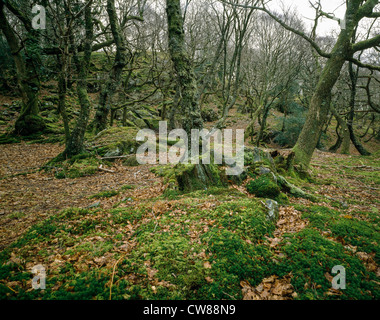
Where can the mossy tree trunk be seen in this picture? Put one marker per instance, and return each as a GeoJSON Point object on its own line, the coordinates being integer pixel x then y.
{"type": "Point", "coordinates": [202, 175]}
{"type": "Point", "coordinates": [343, 50]}
{"type": "Point", "coordinates": [319, 106]}
{"type": "Point", "coordinates": [75, 144]}
{"type": "Point", "coordinates": [189, 102]}
{"type": "Point", "coordinates": [114, 80]}
{"type": "Point", "coordinates": [29, 120]}
{"type": "Point", "coordinates": [63, 62]}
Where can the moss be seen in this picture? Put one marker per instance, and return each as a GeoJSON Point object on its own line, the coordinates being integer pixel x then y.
{"type": "Point", "coordinates": [309, 256]}
{"type": "Point", "coordinates": [54, 128]}
{"type": "Point", "coordinates": [302, 159]}
{"type": "Point", "coordinates": [127, 187]}
{"type": "Point", "coordinates": [255, 158]}
{"type": "Point", "coordinates": [131, 161]}
{"type": "Point", "coordinates": [246, 217]}
{"type": "Point", "coordinates": [80, 165]}
{"type": "Point", "coordinates": [264, 186]}
{"type": "Point", "coordinates": [115, 141]}
{"type": "Point", "coordinates": [190, 177]}
{"type": "Point", "coordinates": [105, 194]}
{"type": "Point", "coordinates": [360, 233]}
{"type": "Point", "coordinates": [282, 198]}
{"type": "Point", "coordinates": [9, 138]}
{"type": "Point", "coordinates": [233, 260]}
{"type": "Point", "coordinates": [29, 124]}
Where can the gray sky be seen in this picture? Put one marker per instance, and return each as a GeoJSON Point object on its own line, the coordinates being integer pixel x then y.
{"type": "Point", "coordinates": [326, 26]}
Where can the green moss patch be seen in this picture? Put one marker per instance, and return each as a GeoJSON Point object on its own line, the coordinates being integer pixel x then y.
{"type": "Point", "coordinates": [105, 194]}
{"type": "Point", "coordinates": [264, 186]}
{"type": "Point", "coordinates": [361, 233]}
{"type": "Point", "coordinates": [78, 166]}
{"type": "Point", "coordinates": [310, 258]}
{"type": "Point", "coordinates": [190, 177]}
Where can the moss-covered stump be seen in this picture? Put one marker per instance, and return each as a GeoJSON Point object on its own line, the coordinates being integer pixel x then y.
{"type": "Point", "coordinates": [29, 124]}
{"type": "Point", "coordinates": [115, 142]}
{"type": "Point", "coordinates": [190, 177]}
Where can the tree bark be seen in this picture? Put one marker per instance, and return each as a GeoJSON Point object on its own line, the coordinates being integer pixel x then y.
{"type": "Point", "coordinates": [105, 99]}
{"type": "Point", "coordinates": [351, 114]}
{"type": "Point", "coordinates": [75, 144]}
{"type": "Point", "coordinates": [319, 106]}
{"type": "Point", "coordinates": [29, 120]}
{"type": "Point", "coordinates": [189, 103]}
{"type": "Point", "coordinates": [344, 140]}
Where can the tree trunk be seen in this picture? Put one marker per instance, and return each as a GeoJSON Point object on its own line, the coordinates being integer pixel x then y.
{"type": "Point", "coordinates": [343, 50]}
{"type": "Point", "coordinates": [263, 125]}
{"type": "Point", "coordinates": [62, 90]}
{"type": "Point", "coordinates": [29, 121]}
{"type": "Point", "coordinates": [354, 139]}
{"type": "Point", "coordinates": [105, 99]}
{"type": "Point", "coordinates": [345, 138]}
{"type": "Point", "coordinates": [183, 68]}
{"type": "Point", "coordinates": [75, 144]}
{"type": "Point", "coordinates": [320, 103]}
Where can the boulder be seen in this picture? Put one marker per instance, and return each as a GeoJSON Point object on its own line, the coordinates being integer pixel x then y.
{"type": "Point", "coordinates": [273, 209]}
{"type": "Point", "coordinates": [190, 177]}
{"type": "Point", "coordinates": [116, 141]}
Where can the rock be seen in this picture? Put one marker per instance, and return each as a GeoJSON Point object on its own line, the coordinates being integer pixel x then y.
{"type": "Point", "coordinates": [113, 153]}
{"type": "Point", "coordinates": [131, 161]}
{"type": "Point", "coordinates": [239, 178]}
{"type": "Point", "coordinates": [152, 123]}
{"type": "Point", "coordinates": [190, 177]}
{"type": "Point", "coordinates": [116, 141]}
{"type": "Point", "coordinates": [257, 157]}
{"type": "Point", "coordinates": [273, 209]}
{"type": "Point", "coordinates": [264, 170]}
{"type": "Point", "coordinates": [94, 205]}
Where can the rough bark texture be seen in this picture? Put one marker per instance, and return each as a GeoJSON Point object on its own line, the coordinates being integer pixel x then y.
{"type": "Point", "coordinates": [354, 139]}
{"type": "Point", "coordinates": [29, 121]}
{"type": "Point", "coordinates": [75, 145]}
{"type": "Point", "coordinates": [189, 103]}
{"type": "Point", "coordinates": [319, 105]}
{"type": "Point", "coordinates": [105, 99]}
{"type": "Point", "coordinates": [344, 138]}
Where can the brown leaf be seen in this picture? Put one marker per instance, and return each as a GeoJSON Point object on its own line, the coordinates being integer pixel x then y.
{"type": "Point", "coordinates": [209, 279]}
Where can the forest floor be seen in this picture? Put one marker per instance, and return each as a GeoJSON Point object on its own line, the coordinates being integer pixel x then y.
{"type": "Point", "coordinates": [116, 235]}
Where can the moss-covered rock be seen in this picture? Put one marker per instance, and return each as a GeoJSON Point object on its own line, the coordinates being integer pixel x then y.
{"type": "Point", "coordinates": [264, 186]}
{"type": "Point", "coordinates": [190, 177]}
{"type": "Point", "coordinates": [258, 161]}
{"type": "Point", "coordinates": [81, 165]}
{"type": "Point", "coordinates": [116, 141]}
